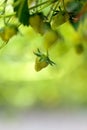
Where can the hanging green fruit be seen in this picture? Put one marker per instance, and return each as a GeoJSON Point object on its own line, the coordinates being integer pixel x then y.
{"type": "Point", "coordinates": [35, 21]}
{"type": "Point", "coordinates": [8, 31]}
{"type": "Point", "coordinates": [59, 19]}
{"type": "Point", "coordinates": [42, 60]}
{"type": "Point", "coordinates": [50, 38]}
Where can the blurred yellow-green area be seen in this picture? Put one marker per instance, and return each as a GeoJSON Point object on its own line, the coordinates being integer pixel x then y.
{"type": "Point", "coordinates": [64, 84]}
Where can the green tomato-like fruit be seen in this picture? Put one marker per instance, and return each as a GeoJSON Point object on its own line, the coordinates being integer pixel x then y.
{"type": "Point", "coordinates": [35, 21]}
{"type": "Point", "coordinates": [8, 31]}
{"type": "Point", "coordinates": [44, 27]}
{"type": "Point", "coordinates": [38, 23]}
{"type": "Point", "coordinates": [50, 38]}
{"type": "Point", "coordinates": [59, 19]}
{"type": "Point", "coordinates": [39, 65]}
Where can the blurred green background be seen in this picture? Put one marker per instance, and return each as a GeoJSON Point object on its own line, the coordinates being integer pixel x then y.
{"type": "Point", "coordinates": [62, 85]}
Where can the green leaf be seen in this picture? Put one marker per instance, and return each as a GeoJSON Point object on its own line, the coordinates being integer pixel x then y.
{"type": "Point", "coordinates": [22, 11]}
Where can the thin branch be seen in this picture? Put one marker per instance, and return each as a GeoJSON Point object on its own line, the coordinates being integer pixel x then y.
{"type": "Point", "coordinates": [8, 15]}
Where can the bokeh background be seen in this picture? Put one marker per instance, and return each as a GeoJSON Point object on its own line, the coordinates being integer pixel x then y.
{"type": "Point", "coordinates": [53, 98]}
{"type": "Point", "coordinates": [61, 85]}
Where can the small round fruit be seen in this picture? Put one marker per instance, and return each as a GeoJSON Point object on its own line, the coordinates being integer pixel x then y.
{"type": "Point", "coordinates": [44, 27]}
{"type": "Point", "coordinates": [50, 37]}
{"type": "Point", "coordinates": [35, 21]}
{"type": "Point", "coordinates": [8, 31]}
{"type": "Point", "coordinates": [59, 19]}
{"type": "Point", "coordinates": [39, 65]}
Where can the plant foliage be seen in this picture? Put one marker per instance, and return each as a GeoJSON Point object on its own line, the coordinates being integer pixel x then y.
{"type": "Point", "coordinates": [46, 23]}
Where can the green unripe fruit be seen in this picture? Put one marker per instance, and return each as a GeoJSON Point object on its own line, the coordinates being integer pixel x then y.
{"type": "Point", "coordinates": [59, 19]}
{"type": "Point", "coordinates": [50, 38]}
{"type": "Point", "coordinates": [7, 32]}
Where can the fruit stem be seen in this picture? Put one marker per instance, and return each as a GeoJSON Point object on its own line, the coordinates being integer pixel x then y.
{"type": "Point", "coordinates": [33, 7]}
{"type": "Point", "coordinates": [53, 10]}
{"type": "Point", "coordinates": [7, 15]}
{"type": "Point", "coordinates": [64, 6]}
{"type": "Point", "coordinates": [43, 3]}
{"type": "Point", "coordinates": [5, 2]}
